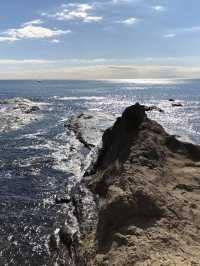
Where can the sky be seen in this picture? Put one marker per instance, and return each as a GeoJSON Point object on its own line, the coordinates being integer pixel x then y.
{"type": "Point", "coordinates": [62, 39]}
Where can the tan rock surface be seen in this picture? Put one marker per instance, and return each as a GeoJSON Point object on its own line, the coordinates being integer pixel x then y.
{"type": "Point", "coordinates": [148, 184]}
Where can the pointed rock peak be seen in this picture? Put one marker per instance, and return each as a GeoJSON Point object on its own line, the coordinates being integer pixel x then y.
{"type": "Point", "coordinates": [133, 116]}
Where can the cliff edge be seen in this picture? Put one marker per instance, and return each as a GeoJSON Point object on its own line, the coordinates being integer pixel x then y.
{"type": "Point", "coordinates": [147, 185]}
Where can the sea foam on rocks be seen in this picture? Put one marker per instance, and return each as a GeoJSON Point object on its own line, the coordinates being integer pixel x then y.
{"type": "Point", "coordinates": [18, 112]}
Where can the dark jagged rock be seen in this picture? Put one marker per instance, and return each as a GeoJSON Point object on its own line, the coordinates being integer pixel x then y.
{"type": "Point", "coordinates": [62, 200]}
{"type": "Point", "coordinates": [153, 108]}
{"type": "Point", "coordinates": [68, 238]}
{"type": "Point", "coordinates": [32, 109]}
{"type": "Point", "coordinates": [115, 140]}
{"type": "Point", "coordinates": [147, 186]}
{"type": "Point", "coordinates": [133, 116]}
{"type": "Point", "coordinates": [177, 105]}
{"type": "Point", "coordinates": [171, 100]}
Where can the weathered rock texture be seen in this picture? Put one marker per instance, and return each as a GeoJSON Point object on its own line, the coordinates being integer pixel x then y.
{"type": "Point", "coordinates": [148, 187]}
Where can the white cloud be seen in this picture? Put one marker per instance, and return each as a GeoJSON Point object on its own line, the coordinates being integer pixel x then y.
{"type": "Point", "coordinates": [93, 19]}
{"type": "Point", "coordinates": [24, 61]}
{"type": "Point", "coordinates": [32, 22]}
{"type": "Point", "coordinates": [7, 39]}
{"type": "Point", "coordinates": [55, 41]}
{"type": "Point", "coordinates": [191, 29]}
{"type": "Point", "coordinates": [58, 62]}
{"type": "Point", "coordinates": [98, 68]}
{"type": "Point", "coordinates": [101, 72]}
{"type": "Point", "coordinates": [158, 8]}
{"type": "Point", "coordinates": [30, 32]}
{"type": "Point", "coordinates": [73, 11]}
{"type": "Point", "coordinates": [170, 35]}
{"type": "Point", "coordinates": [129, 21]}
{"type": "Point", "coordinates": [120, 1]}
{"type": "Point", "coordinates": [182, 31]}
{"type": "Point", "coordinates": [80, 7]}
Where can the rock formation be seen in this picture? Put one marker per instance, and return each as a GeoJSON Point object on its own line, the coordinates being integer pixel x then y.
{"type": "Point", "coordinates": [147, 186]}
{"type": "Point", "coordinates": [177, 105]}
{"type": "Point", "coordinates": [18, 112]}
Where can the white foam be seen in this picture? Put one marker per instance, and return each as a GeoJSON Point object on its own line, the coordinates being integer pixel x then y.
{"type": "Point", "coordinates": [13, 113]}
{"type": "Point", "coordinates": [118, 102]}
{"type": "Point", "coordinates": [76, 98]}
{"type": "Point", "coordinates": [94, 109]}
{"type": "Point", "coordinates": [65, 158]}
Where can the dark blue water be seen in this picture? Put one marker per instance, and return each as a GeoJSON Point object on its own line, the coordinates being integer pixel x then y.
{"type": "Point", "coordinates": [39, 158]}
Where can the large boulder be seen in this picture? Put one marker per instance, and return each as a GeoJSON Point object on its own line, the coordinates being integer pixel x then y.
{"type": "Point", "coordinates": [147, 186]}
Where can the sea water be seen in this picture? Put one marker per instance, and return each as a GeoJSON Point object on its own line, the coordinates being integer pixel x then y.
{"type": "Point", "coordinates": [39, 157]}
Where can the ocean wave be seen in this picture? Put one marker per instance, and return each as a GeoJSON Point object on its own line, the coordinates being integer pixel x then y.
{"type": "Point", "coordinates": [64, 151]}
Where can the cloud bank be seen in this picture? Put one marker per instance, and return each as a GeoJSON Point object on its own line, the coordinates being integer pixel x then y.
{"type": "Point", "coordinates": [75, 12]}
{"type": "Point", "coordinates": [44, 70]}
{"type": "Point", "coordinates": [31, 30]}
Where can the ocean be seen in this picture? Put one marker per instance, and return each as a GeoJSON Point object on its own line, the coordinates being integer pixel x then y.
{"type": "Point", "coordinates": [40, 158]}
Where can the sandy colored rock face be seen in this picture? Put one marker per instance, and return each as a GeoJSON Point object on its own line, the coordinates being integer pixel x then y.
{"type": "Point", "coordinates": [148, 187]}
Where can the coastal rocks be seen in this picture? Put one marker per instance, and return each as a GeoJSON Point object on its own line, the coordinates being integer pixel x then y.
{"type": "Point", "coordinates": [153, 108]}
{"type": "Point", "coordinates": [88, 127]}
{"type": "Point", "coordinates": [174, 103]}
{"type": "Point", "coordinates": [62, 200]}
{"type": "Point", "coordinates": [84, 132]}
{"type": "Point", "coordinates": [17, 112]}
{"type": "Point", "coordinates": [177, 105]}
{"type": "Point", "coordinates": [146, 185]}
{"type": "Point", "coordinates": [32, 109]}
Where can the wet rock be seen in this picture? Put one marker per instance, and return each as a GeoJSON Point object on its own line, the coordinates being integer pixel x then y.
{"type": "Point", "coordinates": [32, 109]}
{"type": "Point", "coordinates": [177, 105]}
{"type": "Point", "coordinates": [52, 243]}
{"type": "Point", "coordinates": [88, 128]}
{"type": "Point", "coordinates": [17, 112]}
{"type": "Point", "coordinates": [3, 101]}
{"type": "Point", "coordinates": [171, 100]}
{"type": "Point", "coordinates": [153, 108]}
{"type": "Point", "coordinates": [59, 200]}
{"type": "Point", "coordinates": [66, 237]}
{"type": "Point", "coordinates": [84, 205]}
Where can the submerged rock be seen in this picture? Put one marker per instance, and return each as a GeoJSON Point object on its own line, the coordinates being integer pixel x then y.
{"type": "Point", "coordinates": [177, 105]}
{"type": "Point", "coordinates": [59, 200]}
{"type": "Point", "coordinates": [153, 108]}
{"type": "Point", "coordinates": [17, 112]}
{"type": "Point", "coordinates": [146, 183]}
{"type": "Point", "coordinates": [32, 109]}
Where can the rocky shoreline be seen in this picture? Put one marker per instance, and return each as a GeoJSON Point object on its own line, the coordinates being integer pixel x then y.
{"type": "Point", "coordinates": [18, 112]}
{"type": "Point", "coordinates": [145, 184]}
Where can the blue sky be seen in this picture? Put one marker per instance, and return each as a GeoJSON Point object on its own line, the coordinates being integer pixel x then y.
{"type": "Point", "coordinates": [99, 39]}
